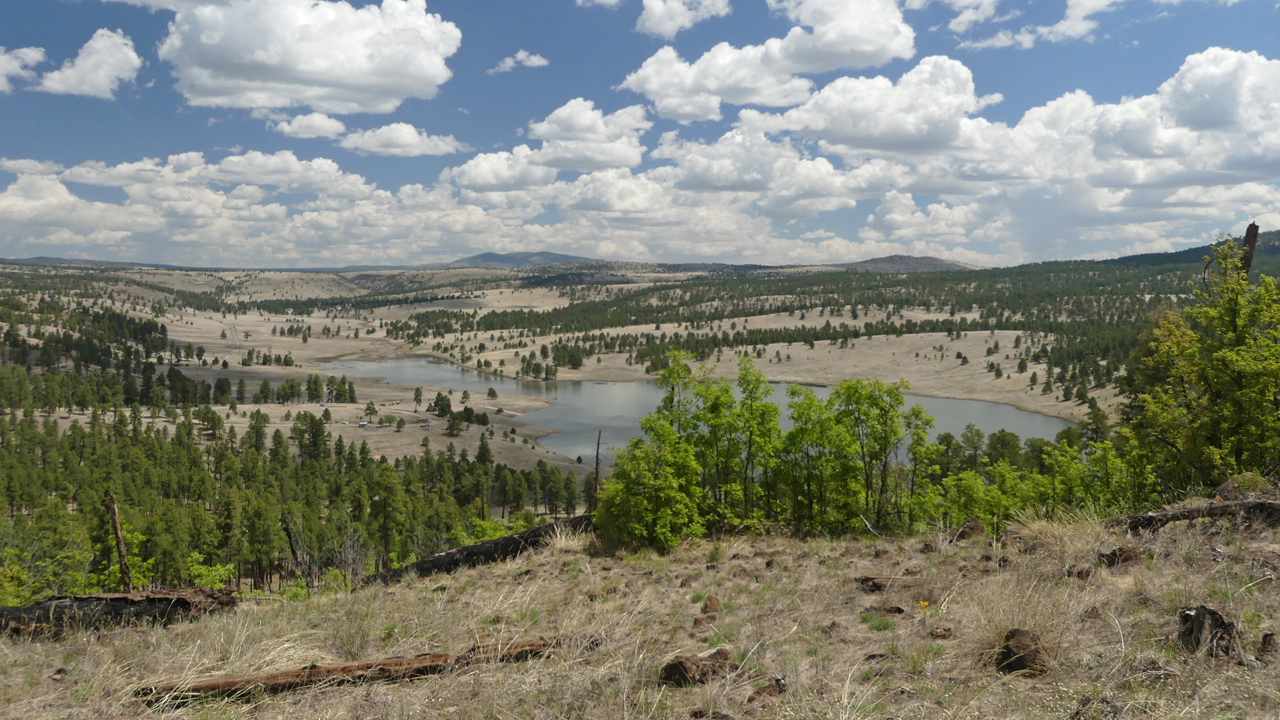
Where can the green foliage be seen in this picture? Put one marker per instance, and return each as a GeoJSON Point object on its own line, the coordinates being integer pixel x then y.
{"type": "Point", "coordinates": [209, 576]}
{"type": "Point", "coordinates": [652, 497]}
{"type": "Point", "coordinates": [1203, 404]}
{"type": "Point", "coordinates": [487, 530]}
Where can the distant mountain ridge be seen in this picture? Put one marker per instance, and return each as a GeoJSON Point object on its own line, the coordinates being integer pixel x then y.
{"type": "Point", "coordinates": [1268, 245]}
{"type": "Point", "coordinates": [511, 261]}
{"type": "Point", "coordinates": [899, 264]}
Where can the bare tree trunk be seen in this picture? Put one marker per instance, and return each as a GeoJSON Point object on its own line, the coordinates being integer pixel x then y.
{"type": "Point", "coordinates": [595, 496]}
{"type": "Point", "coordinates": [1250, 244]}
{"type": "Point", "coordinates": [126, 580]}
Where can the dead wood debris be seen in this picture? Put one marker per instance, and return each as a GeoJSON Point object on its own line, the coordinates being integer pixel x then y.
{"type": "Point", "coordinates": [59, 615]}
{"type": "Point", "coordinates": [483, 553]}
{"type": "Point", "coordinates": [394, 669]}
{"type": "Point", "coordinates": [1156, 520]}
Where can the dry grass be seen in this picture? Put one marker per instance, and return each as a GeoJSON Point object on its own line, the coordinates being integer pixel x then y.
{"type": "Point", "coordinates": [800, 617]}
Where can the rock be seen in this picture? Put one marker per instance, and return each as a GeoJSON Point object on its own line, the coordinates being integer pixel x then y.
{"type": "Point", "coordinates": [717, 664]}
{"type": "Point", "coordinates": [940, 632]}
{"type": "Point", "coordinates": [1023, 652]}
{"type": "Point", "coordinates": [704, 620]}
{"type": "Point", "coordinates": [1092, 708]}
{"type": "Point", "coordinates": [872, 584]}
{"type": "Point", "coordinates": [1120, 556]}
{"type": "Point", "coordinates": [775, 688]}
{"type": "Point", "coordinates": [1203, 629]}
{"type": "Point", "coordinates": [972, 528]}
{"type": "Point", "coordinates": [681, 671]}
{"type": "Point", "coordinates": [686, 670]}
{"type": "Point", "coordinates": [1079, 572]}
{"type": "Point", "coordinates": [711, 604]}
{"type": "Point", "coordinates": [709, 714]}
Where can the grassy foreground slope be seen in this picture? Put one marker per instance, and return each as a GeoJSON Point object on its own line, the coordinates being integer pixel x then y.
{"type": "Point", "coordinates": [790, 608]}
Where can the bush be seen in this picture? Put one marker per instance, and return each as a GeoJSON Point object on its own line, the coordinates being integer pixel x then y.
{"type": "Point", "coordinates": [209, 576]}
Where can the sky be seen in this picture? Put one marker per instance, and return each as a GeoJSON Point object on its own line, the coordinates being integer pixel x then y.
{"type": "Point", "coordinates": [321, 133]}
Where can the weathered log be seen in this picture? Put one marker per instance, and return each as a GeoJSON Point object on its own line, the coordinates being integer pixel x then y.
{"type": "Point", "coordinates": [483, 553]}
{"type": "Point", "coordinates": [384, 670]}
{"type": "Point", "coordinates": [59, 615]}
{"type": "Point", "coordinates": [1152, 521]}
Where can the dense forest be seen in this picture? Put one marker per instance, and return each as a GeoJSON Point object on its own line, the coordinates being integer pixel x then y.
{"type": "Point", "coordinates": [262, 506]}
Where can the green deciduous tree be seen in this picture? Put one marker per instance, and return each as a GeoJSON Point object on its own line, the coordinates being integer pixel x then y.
{"type": "Point", "coordinates": [652, 498]}
{"type": "Point", "coordinates": [1205, 399]}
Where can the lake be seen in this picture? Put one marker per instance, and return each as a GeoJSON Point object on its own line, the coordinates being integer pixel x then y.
{"type": "Point", "coordinates": [579, 409]}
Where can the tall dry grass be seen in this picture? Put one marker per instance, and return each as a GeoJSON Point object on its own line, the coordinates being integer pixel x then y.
{"type": "Point", "coordinates": [792, 608]}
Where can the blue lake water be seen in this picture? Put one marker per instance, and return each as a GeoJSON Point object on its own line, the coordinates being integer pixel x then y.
{"type": "Point", "coordinates": [581, 409]}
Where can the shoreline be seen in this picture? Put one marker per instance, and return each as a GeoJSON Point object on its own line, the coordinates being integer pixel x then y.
{"type": "Point", "coordinates": [604, 378]}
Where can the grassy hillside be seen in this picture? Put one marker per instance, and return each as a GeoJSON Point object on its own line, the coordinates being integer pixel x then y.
{"type": "Point", "coordinates": [790, 608]}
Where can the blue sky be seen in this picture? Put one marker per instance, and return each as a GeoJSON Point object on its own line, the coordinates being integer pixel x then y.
{"type": "Point", "coordinates": [311, 133]}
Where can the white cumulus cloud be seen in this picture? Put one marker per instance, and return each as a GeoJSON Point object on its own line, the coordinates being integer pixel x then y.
{"type": "Point", "coordinates": [106, 61]}
{"type": "Point", "coordinates": [1071, 178]}
{"type": "Point", "coordinates": [522, 58]}
{"type": "Point", "coordinates": [969, 12]}
{"type": "Point", "coordinates": [401, 140]}
{"type": "Point", "coordinates": [579, 136]}
{"type": "Point", "coordinates": [922, 111]}
{"type": "Point", "coordinates": [500, 171]}
{"type": "Point", "coordinates": [17, 64]}
{"type": "Point", "coordinates": [324, 54]}
{"type": "Point", "coordinates": [665, 18]}
{"type": "Point", "coordinates": [842, 34]}
{"type": "Point", "coordinates": [312, 125]}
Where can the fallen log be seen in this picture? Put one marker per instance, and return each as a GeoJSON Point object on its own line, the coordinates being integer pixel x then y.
{"type": "Point", "coordinates": [483, 553]}
{"type": "Point", "coordinates": [60, 615]}
{"type": "Point", "coordinates": [384, 670]}
{"type": "Point", "coordinates": [1156, 520]}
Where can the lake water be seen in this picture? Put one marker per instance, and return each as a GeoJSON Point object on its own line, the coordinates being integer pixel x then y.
{"type": "Point", "coordinates": [580, 409]}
